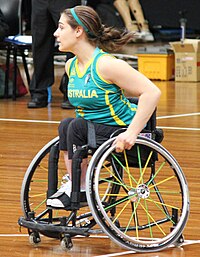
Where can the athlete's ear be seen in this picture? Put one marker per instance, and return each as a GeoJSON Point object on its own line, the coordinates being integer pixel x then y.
{"type": "Point", "coordinates": [79, 31]}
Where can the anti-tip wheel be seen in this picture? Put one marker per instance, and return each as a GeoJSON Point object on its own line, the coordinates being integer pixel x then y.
{"type": "Point", "coordinates": [179, 241]}
{"type": "Point", "coordinates": [66, 243]}
{"type": "Point", "coordinates": [34, 238]}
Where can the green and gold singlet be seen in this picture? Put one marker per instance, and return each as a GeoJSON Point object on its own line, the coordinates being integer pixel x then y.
{"type": "Point", "coordinates": [96, 99]}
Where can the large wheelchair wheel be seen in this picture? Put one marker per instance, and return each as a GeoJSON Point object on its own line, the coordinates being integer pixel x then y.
{"type": "Point", "coordinates": [34, 193]}
{"type": "Point", "coordinates": [147, 206]}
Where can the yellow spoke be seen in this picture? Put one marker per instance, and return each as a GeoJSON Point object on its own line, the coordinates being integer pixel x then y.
{"type": "Point", "coordinates": [122, 195]}
{"type": "Point", "coordinates": [39, 181]}
{"type": "Point", "coordinates": [159, 169]}
{"type": "Point", "coordinates": [43, 168]}
{"type": "Point", "coordinates": [121, 211]}
{"type": "Point", "coordinates": [115, 177]}
{"type": "Point", "coordinates": [153, 219]}
{"type": "Point", "coordinates": [124, 168]}
{"type": "Point", "coordinates": [163, 204]}
{"type": "Point", "coordinates": [134, 213]}
{"type": "Point", "coordinates": [162, 181]}
{"type": "Point", "coordinates": [127, 166]}
{"type": "Point", "coordinates": [144, 169]}
{"type": "Point", "coordinates": [148, 219]}
{"type": "Point", "coordinates": [32, 196]}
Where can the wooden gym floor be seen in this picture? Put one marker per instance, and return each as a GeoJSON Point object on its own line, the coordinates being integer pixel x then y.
{"type": "Point", "coordinates": [24, 131]}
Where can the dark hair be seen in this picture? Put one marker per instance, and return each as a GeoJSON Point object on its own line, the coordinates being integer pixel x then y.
{"type": "Point", "coordinates": [106, 38]}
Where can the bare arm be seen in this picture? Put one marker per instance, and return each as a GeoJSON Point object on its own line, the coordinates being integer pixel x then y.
{"type": "Point", "coordinates": [137, 85]}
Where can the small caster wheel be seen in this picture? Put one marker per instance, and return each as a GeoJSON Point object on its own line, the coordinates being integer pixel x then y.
{"type": "Point", "coordinates": [66, 243]}
{"type": "Point", "coordinates": [179, 241]}
{"type": "Point", "coordinates": [34, 238]}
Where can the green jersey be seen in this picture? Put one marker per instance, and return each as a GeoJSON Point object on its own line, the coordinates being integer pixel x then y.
{"type": "Point", "coordinates": [95, 99]}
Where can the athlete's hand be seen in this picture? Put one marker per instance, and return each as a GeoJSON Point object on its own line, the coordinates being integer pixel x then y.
{"type": "Point", "coordinates": [124, 141]}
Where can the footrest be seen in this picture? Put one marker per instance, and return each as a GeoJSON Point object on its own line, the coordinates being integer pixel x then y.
{"type": "Point", "coordinates": [43, 227]}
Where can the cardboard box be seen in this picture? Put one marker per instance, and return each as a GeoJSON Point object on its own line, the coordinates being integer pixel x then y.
{"type": "Point", "coordinates": [187, 60]}
{"type": "Point", "coordinates": [156, 63]}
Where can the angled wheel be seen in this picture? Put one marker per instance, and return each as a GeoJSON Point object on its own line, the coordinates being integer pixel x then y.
{"type": "Point", "coordinates": [148, 195]}
{"type": "Point", "coordinates": [34, 192]}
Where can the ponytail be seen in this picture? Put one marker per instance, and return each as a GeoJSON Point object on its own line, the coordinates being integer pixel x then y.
{"type": "Point", "coordinates": [106, 38]}
{"type": "Point", "coordinates": [113, 39]}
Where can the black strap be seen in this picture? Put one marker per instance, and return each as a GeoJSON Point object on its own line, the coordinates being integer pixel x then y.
{"type": "Point", "coordinates": [91, 135]}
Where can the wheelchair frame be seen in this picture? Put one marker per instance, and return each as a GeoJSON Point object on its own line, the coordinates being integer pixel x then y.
{"type": "Point", "coordinates": [139, 198]}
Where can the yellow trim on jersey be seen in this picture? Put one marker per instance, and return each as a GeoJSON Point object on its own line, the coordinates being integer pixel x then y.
{"type": "Point", "coordinates": [128, 103]}
{"type": "Point", "coordinates": [92, 75]}
{"type": "Point", "coordinates": [80, 111]}
{"type": "Point", "coordinates": [114, 116]}
{"type": "Point", "coordinates": [106, 81]}
{"type": "Point", "coordinates": [79, 73]}
{"type": "Point", "coordinates": [69, 65]}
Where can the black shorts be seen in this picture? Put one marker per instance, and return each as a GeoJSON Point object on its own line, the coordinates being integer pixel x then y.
{"type": "Point", "coordinates": [73, 132]}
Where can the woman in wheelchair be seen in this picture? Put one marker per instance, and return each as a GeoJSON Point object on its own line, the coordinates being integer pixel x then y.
{"type": "Point", "coordinates": [97, 82]}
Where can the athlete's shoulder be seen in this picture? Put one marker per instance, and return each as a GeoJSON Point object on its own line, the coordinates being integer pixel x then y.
{"type": "Point", "coordinates": [108, 61]}
{"type": "Point", "coordinates": [68, 64]}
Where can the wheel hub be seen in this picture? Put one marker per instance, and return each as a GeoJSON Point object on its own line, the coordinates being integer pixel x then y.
{"type": "Point", "coordinates": [142, 191]}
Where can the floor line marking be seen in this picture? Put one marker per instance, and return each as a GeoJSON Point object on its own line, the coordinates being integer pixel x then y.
{"type": "Point", "coordinates": [10, 235]}
{"type": "Point", "coordinates": [178, 115]}
{"type": "Point", "coordinates": [179, 128]}
{"type": "Point", "coordinates": [57, 122]}
{"type": "Point", "coordinates": [158, 118]}
{"type": "Point", "coordinates": [31, 121]}
{"type": "Point", "coordinates": [187, 242]}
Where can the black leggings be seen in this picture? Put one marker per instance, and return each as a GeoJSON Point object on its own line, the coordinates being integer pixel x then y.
{"type": "Point", "coordinates": [73, 132]}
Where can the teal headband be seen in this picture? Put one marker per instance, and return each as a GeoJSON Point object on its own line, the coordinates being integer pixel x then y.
{"type": "Point", "coordinates": [78, 20]}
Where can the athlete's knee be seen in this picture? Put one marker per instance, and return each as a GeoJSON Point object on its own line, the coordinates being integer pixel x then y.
{"type": "Point", "coordinates": [78, 127]}
{"type": "Point", "coordinates": [77, 132]}
{"type": "Point", "coordinates": [64, 125]}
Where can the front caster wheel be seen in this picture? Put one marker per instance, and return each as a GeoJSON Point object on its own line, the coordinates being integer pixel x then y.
{"type": "Point", "coordinates": [34, 238]}
{"type": "Point", "coordinates": [66, 243]}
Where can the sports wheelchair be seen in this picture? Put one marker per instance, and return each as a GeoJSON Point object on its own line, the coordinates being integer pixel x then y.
{"type": "Point", "coordinates": [139, 198]}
